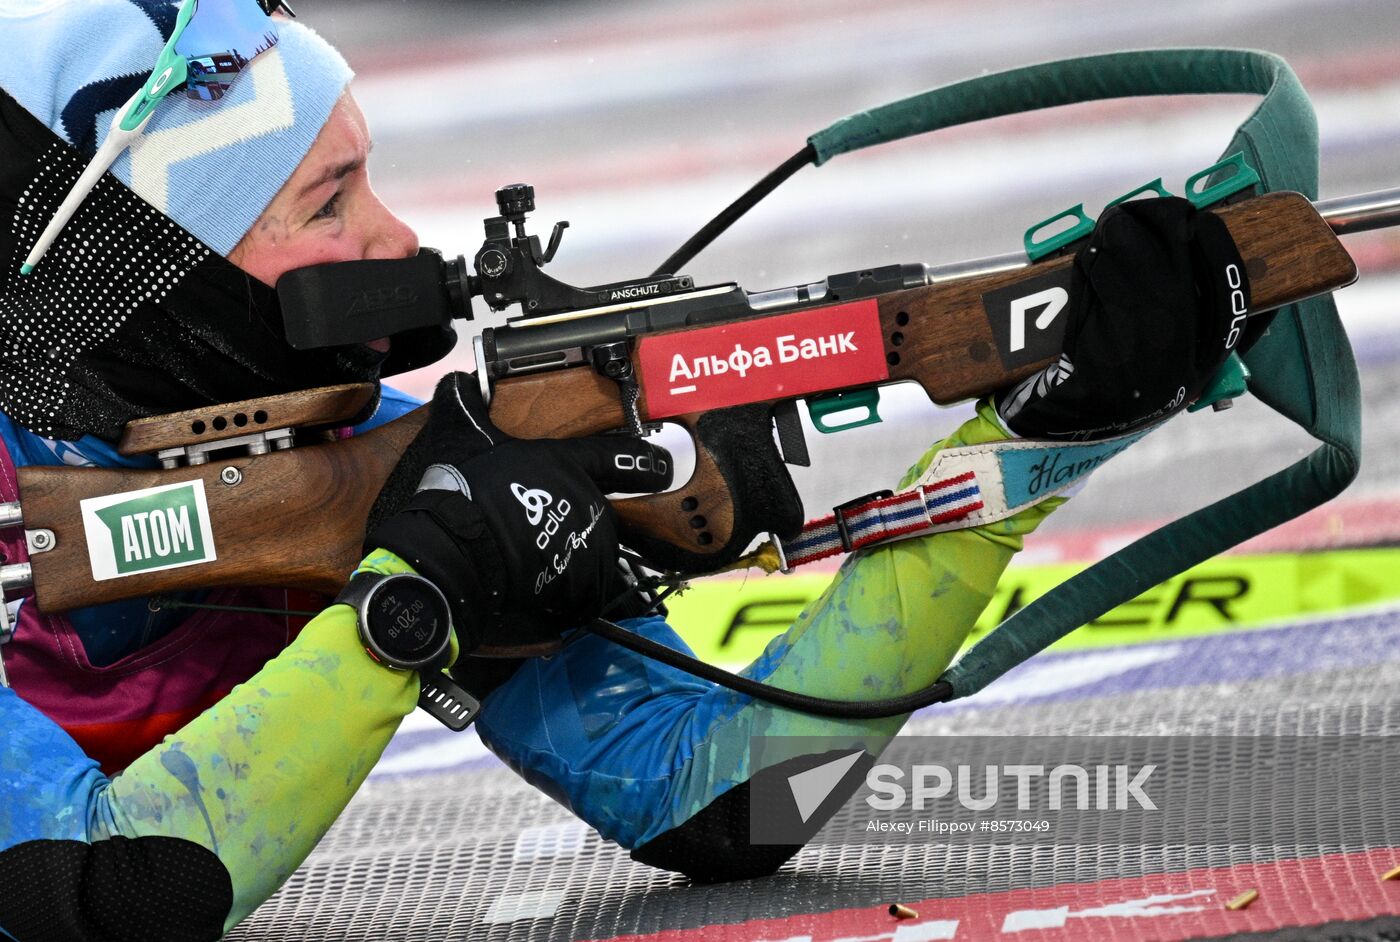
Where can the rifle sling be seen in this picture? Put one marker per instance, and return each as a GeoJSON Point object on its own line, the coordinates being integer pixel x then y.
{"type": "Point", "coordinates": [1304, 349]}
{"type": "Point", "coordinates": [1302, 367]}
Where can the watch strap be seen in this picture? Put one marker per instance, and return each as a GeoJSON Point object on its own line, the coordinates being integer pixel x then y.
{"type": "Point", "coordinates": [358, 589]}
{"type": "Point", "coordinates": [447, 701]}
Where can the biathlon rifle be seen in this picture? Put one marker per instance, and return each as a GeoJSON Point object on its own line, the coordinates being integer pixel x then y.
{"type": "Point", "coordinates": [241, 482]}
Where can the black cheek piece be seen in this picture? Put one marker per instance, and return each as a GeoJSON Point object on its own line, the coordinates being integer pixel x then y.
{"type": "Point", "coordinates": [340, 304]}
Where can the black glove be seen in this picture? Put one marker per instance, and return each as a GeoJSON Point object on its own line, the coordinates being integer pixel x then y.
{"type": "Point", "coordinates": [516, 533]}
{"type": "Point", "coordinates": [1156, 305]}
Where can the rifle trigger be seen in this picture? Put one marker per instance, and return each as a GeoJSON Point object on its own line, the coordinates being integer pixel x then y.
{"type": "Point", "coordinates": [791, 439]}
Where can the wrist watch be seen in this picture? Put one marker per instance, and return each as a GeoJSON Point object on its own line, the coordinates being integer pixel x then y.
{"type": "Point", "coordinates": [405, 624]}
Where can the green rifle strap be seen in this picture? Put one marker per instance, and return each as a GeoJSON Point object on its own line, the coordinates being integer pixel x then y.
{"type": "Point", "coordinates": [1302, 367]}
{"type": "Point", "coordinates": [1071, 81]}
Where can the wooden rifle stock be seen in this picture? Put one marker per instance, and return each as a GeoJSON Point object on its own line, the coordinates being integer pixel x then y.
{"type": "Point", "coordinates": [938, 336]}
{"type": "Point", "coordinates": [296, 518]}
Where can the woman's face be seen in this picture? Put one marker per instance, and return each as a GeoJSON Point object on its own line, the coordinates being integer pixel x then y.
{"type": "Point", "coordinates": [326, 211]}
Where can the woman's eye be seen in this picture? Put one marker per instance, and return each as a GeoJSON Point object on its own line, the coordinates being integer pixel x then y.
{"type": "Point", "coordinates": [329, 210]}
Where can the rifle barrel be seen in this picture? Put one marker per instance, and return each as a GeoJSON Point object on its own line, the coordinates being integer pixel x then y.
{"type": "Point", "coordinates": [969, 268]}
{"type": "Point", "coordinates": [1361, 212]}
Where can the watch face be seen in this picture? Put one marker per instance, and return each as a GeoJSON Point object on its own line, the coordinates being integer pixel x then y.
{"type": "Point", "coordinates": [407, 619]}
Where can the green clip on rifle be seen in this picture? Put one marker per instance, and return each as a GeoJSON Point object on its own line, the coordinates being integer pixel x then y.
{"type": "Point", "coordinates": [628, 355]}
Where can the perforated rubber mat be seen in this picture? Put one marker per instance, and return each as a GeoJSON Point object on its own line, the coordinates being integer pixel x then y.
{"type": "Point", "coordinates": [444, 843]}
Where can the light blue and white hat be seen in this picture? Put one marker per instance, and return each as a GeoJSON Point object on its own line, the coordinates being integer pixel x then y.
{"type": "Point", "coordinates": [130, 308]}
{"type": "Point", "coordinates": [210, 166]}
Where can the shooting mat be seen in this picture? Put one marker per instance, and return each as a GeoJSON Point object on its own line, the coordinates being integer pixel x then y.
{"type": "Point", "coordinates": [445, 843]}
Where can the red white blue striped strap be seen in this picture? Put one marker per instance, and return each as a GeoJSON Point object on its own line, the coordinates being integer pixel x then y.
{"type": "Point", "coordinates": [967, 486]}
{"type": "Point", "coordinates": [928, 508]}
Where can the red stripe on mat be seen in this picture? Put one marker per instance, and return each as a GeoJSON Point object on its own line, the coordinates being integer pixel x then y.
{"type": "Point", "coordinates": [1160, 906]}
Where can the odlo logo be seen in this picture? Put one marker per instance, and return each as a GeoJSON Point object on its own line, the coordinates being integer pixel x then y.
{"type": "Point", "coordinates": [640, 463]}
{"type": "Point", "coordinates": [1238, 310]}
{"type": "Point", "coordinates": [141, 531]}
{"type": "Point", "coordinates": [535, 501]}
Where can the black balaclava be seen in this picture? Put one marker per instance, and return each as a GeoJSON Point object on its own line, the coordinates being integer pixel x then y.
{"type": "Point", "coordinates": [129, 315]}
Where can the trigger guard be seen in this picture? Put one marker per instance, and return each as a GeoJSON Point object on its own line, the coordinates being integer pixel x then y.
{"type": "Point", "coordinates": [740, 440]}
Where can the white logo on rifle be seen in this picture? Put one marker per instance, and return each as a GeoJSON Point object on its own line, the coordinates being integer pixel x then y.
{"type": "Point", "coordinates": [1054, 300]}
{"type": "Point", "coordinates": [788, 347]}
{"type": "Point", "coordinates": [533, 500]}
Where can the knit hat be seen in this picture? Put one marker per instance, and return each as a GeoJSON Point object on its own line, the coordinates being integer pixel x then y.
{"type": "Point", "coordinates": [211, 166]}
{"type": "Point", "coordinates": [135, 310]}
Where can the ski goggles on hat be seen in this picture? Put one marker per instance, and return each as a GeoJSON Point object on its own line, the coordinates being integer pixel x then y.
{"type": "Point", "coordinates": [212, 42]}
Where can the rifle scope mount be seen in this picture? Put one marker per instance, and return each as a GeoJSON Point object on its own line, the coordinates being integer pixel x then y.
{"type": "Point", "coordinates": [508, 266]}
{"type": "Point", "coordinates": [344, 303]}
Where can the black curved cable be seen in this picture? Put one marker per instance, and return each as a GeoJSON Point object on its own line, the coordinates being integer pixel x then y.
{"type": "Point", "coordinates": [937, 692]}
{"type": "Point", "coordinates": [712, 229]}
